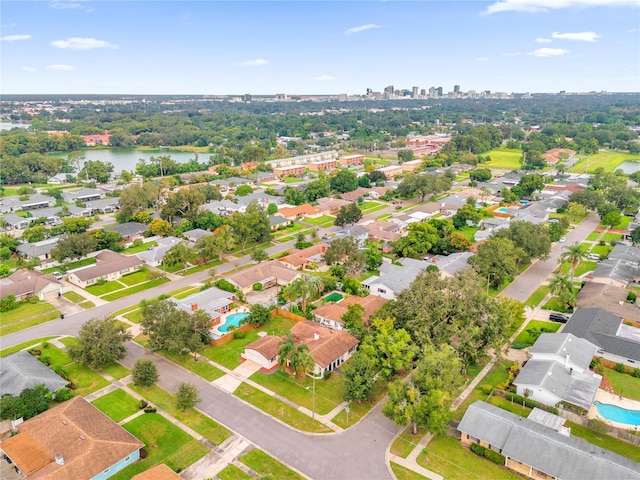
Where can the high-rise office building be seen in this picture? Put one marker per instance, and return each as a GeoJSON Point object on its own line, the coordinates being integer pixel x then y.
{"type": "Point", "coordinates": [414, 92]}
{"type": "Point", "coordinates": [456, 89]}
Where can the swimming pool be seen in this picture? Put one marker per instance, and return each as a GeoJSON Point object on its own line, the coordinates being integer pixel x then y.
{"type": "Point", "coordinates": [333, 297]}
{"type": "Point", "coordinates": [618, 414]}
{"type": "Point", "coordinates": [233, 320]}
{"type": "Point", "coordinates": [503, 210]}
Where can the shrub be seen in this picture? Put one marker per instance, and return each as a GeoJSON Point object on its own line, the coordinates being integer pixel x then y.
{"type": "Point", "coordinates": [57, 368]}
{"type": "Point", "coordinates": [632, 297]}
{"type": "Point", "coordinates": [257, 287]}
{"type": "Point", "coordinates": [150, 410]}
{"type": "Point", "coordinates": [635, 372]}
{"type": "Point", "coordinates": [486, 389]}
{"type": "Point", "coordinates": [44, 359]}
{"type": "Point", "coordinates": [63, 394]}
{"type": "Point", "coordinates": [477, 449]}
{"type": "Point", "coordinates": [489, 454]}
{"type": "Point", "coordinates": [620, 368]}
{"type": "Point", "coordinates": [137, 242]}
{"type": "Point", "coordinates": [225, 285]}
{"type": "Point", "coordinates": [164, 296]}
{"type": "Point", "coordinates": [239, 335]}
{"type": "Point", "coordinates": [327, 374]}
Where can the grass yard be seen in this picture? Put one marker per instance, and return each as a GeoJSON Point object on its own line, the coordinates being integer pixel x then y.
{"type": "Point", "coordinates": [135, 277]}
{"type": "Point", "coordinates": [135, 289]}
{"type": "Point", "coordinates": [56, 355]}
{"type": "Point", "coordinates": [22, 346]}
{"type": "Point", "coordinates": [117, 405]}
{"type": "Point", "coordinates": [537, 296]}
{"type": "Point", "coordinates": [85, 380]}
{"type": "Point", "coordinates": [402, 473]}
{"type": "Point", "coordinates": [87, 305]}
{"type": "Point", "coordinates": [296, 227]}
{"type": "Point", "coordinates": [610, 237]}
{"type": "Point", "coordinates": [135, 316]}
{"type": "Point", "coordinates": [554, 305]}
{"type": "Point", "coordinates": [279, 409]}
{"type": "Point", "coordinates": [231, 472]}
{"type": "Point", "coordinates": [79, 263]}
{"type": "Point", "coordinates": [140, 248]}
{"type": "Point", "coordinates": [199, 422]}
{"type": "Point", "coordinates": [165, 443]}
{"type": "Point", "coordinates": [404, 443]}
{"type": "Point", "coordinates": [323, 221]}
{"type": "Point", "coordinates": [31, 322]}
{"type": "Point", "coordinates": [329, 393]}
{"type": "Point", "coordinates": [74, 297]}
{"type": "Point", "coordinates": [357, 410]}
{"type": "Point", "coordinates": [505, 158]}
{"type": "Point", "coordinates": [623, 384]}
{"type": "Point", "coordinates": [605, 441]}
{"type": "Point", "coordinates": [172, 268]}
{"type": "Point", "coordinates": [292, 180]}
{"type": "Point", "coordinates": [468, 232]}
{"type": "Point", "coordinates": [103, 289]}
{"type": "Point", "coordinates": [116, 370]}
{"type": "Point", "coordinates": [608, 160]}
{"type": "Point", "coordinates": [602, 250]}
{"type": "Point", "coordinates": [204, 266]}
{"type": "Point", "coordinates": [593, 236]}
{"type": "Point", "coordinates": [268, 466]}
{"type": "Point", "coordinates": [201, 368]}
{"type": "Point", "coordinates": [23, 312]}
{"type": "Point", "coordinates": [185, 292]}
{"type": "Point", "coordinates": [524, 339]}
{"type": "Point", "coordinates": [447, 457]}
{"type": "Point", "coordinates": [496, 375]}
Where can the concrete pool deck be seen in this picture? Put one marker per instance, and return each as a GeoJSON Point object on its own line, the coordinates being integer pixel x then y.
{"type": "Point", "coordinates": [224, 317]}
{"type": "Point", "coordinates": [603, 396]}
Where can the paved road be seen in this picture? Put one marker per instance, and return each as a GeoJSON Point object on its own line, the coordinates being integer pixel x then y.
{"type": "Point", "coordinates": [527, 283]}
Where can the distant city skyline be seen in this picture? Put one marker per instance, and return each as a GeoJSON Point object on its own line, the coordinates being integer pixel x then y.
{"type": "Point", "coordinates": [330, 47]}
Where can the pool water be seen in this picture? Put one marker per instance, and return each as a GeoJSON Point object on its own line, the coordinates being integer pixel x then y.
{"type": "Point", "coordinates": [233, 320]}
{"type": "Point", "coordinates": [618, 414]}
{"type": "Point", "coordinates": [503, 210]}
{"type": "Point", "coordinates": [333, 297]}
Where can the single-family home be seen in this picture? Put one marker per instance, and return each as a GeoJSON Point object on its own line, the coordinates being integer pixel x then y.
{"type": "Point", "coordinates": [129, 231]}
{"type": "Point", "coordinates": [330, 314]}
{"type": "Point", "coordinates": [357, 193]}
{"type": "Point", "coordinates": [305, 258]}
{"type": "Point", "coordinates": [277, 222]}
{"type": "Point", "coordinates": [383, 231]}
{"type": "Point", "coordinates": [213, 301]}
{"type": "Point", "coordinates": [194, 235]}
{"type": "Point", "coordinates": [330, 348]}
{"type": "Point", "coordinates": [52, 215]}
{"type": "Point", "coordinates": [304, 210]}
{"type": "Point", "coordinates": [624, 252]}
{"type": "Point", "coordinates": [109, 266]}
{"type": "Point", "coordinates": [59, 179]}
{"type": "Point", "coordinates": [616, 272]}
{"type": "Point", "coordinates": [395, 278]}
{"type": "Point", "coordinates": [359, 234]}
{"type": "Point", "coordinates": [154, 256]}
{"type": "Point", "coordinates": [71, 440]}
{"type": "Point", "coordinates": [534, 212]}
{"type": "Point", "coordinates": [487, 226]}
{"type": "Point", "coordinates": [451, 265]}
{"type": "Point", "coordinates": [103, 205]}
{"type": "Point", "coordinates": [616, 341]}
{"type": "Point", "coordinates": [268, 274]}
{"type": "Point", "coordinates": [558, 371]}
{"type": "Point", "coordinates": [75, 211]}
{"type": "Point", "coordinates": [159, 472]}
{"type": "Point", "coordinates": [330, 206]}
{"type": "Point", "coordinates": [14, 222]}
{"type": "Point", "coordinates": [541, 449]}
{"type": "Point", "coordinates": [557, 154]}
{"type": "Point", "coordinates": [21, 370]}
{"type": "Point", "coordinates": [83, 195]}
{"type": "Point", "coordinates": [609, 297]}
{"type": "Point", "coordinates": [40, 250]}
{"type": "Point", "coordinates": [23, 284]}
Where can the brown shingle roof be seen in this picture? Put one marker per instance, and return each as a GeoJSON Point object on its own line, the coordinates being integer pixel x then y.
{"type": "Point", "coordinates": [257, 273]}
{"type": "Point", "coordinates": [301, 257]}
{"type": "Point", "coordinates": [370, 303]}
{"type": "Point", "coordinates": [159, 472]}
{"type": "Point", "coordinates": [26, 282]}
{"type": "Point", "coordinates": [107, 262]}
{"type": "Point", "coordinates": [266, 346]}
{"type": "Point", "coordinates": [331, 311]}
{"type": "Point", "coordinates": [300, 210]}
{"type": "Point", "coordinates": [329, 344]}
{"type": "Point", "coordinates": [87, 439]}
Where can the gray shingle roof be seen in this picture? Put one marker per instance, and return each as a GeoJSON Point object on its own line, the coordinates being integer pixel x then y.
{"type": "Point", "coordinates": [617, 269]}
{"type": "Point", "coordinates": [625, 252]}
{"type": "Point", "coordinates": [543, 448]}
{"type": "Point", "coordinates": [563, 344]}
{"type": "Point", "coordinates": [38, 248]}
{"type": "Point", "coordinates": [129, 228]}
{"type": "Point", "coordinates": [21, 370]}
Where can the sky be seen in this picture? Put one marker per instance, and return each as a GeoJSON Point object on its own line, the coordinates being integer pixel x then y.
{"type": "Point", "coordinates": [309, 47]}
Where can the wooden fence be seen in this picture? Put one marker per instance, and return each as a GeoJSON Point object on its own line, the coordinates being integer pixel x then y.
{"type": "Point", "coordinates": [612, 431]}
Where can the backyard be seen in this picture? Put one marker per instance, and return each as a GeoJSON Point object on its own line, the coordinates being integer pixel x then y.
{"type": "Point", "coordinates": [529, 335]}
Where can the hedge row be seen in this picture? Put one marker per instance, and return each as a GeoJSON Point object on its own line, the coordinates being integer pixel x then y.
{"type": "Point", "coordinates": [489, 454]}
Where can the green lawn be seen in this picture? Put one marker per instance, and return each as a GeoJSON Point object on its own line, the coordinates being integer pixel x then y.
{"type": "Point", "coordinates": [74, 297]}
{"type": "Point", "coordinates": [608, 160]}
{"type": "Point", "coordinates": [87, 305]}
{"type": "Point", "coordinates": [23, 312]}
{"type": "Point", "coordinates": [117, 405]}
{"type": "Point", "coordinates": [135, 289]}
{"type": "Point", "coordinates": [185, 292]}
{"type": "Point", "coordinates": [296, 227]}
{"type": "Point", "coordinates": [135, 316]}
{"type": "Point", "coordinates": [268, 466]}
{"type": "Point", "coordinates": [357, 410]}
{"type": "Point", "coordinates": [31, 322]}
{"type": "Point", "coordinates": [623, 384]}
{"type": "Point", "coordinates": [85, 380]}
{"type": "Point", "coordinates": [402, 473]}
{"type": "Point", "coordinates": [292, 180]}
{"type": "Point", "coordinates": [495, 376]}
{"type": "Point", "coordinates": [593, 236]}
{"type": "Point", "coordinates": [322, 221]}
{"type": "Point", "coordinates": [139, 248]}
{"type": "Point", "coordinates": [468, 232]}
{"type": "Point", "coordinates": [605, 441]}
{"type": "Point", "coordinates": [171, 268]}
{"type": "Point", "coordinates": [56, 355]}
{"type": "Point", "coordinates": [329, 393]}
{"type": "Point", "coordinates": [165, 443]}
{"type": "Point", "coordinates": [116, 370]}
{"type": "Point", "coordinates": [279, 409]}
{"type": "Point", "coordinates": [199, 422]}
{"type": "Point", "coordinates": [524, 339]}
{"type": "Point", "coordinates": [79, 263]}
{"type": "Point", "coordinates": [602, 250]}
{"type": "Point", "coordinates": [204, 266]}
{"type": "Point", "coordinates": [610, 236]}
{"type": "Point", "coordinates": [505, 158]}
{"type": "Point", "coordinates": [447, 457]}
{"type": "Point", "coordinates": [135, 277]}
{"type": "Point", "coordinates": [537, 296]}
{"type": "Point", "coordinates": [22, 346]}
{"type": "Point", "coordinates": [201, 368]}
{"type": "Point", "coordinates": [404, 443]}
{"type": "Point", "coordinates": [556, 306]}
{"type": "Point", "coordinates": [231, 472]}
{"type": "Point", "coordinates": [104, 288]}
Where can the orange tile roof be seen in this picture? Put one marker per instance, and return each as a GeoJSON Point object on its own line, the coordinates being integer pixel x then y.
{"type": "Point", "coordinates": [304, 209]}
{"type": "Point", "coordinates": [88, 440]}
{"type": "Point", "coordinates": [329, 344]}
{"type": "Point", "coordinates": [159, 472]}
{"type": "Point", "coordinates": [370, 303]}
{"type": "Point", "coordinates": [266, 346]}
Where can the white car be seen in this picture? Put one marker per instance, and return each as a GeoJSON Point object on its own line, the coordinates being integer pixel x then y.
{"type": "Point", "coordinates": [562, 239]}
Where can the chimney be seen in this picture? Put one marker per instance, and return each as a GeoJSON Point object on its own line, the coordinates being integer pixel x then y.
{"type": "Point", "coordinates": [194, 307]}
{"type": "Point", "coordinates": [316, 336]}
{"type": "Point", "coordinates": [566, 360]}
{"type": "Point", "coordinates": [59, 459]}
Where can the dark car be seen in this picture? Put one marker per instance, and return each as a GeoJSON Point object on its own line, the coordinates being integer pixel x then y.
{"type": "Point", "coordinates": [558, 317]}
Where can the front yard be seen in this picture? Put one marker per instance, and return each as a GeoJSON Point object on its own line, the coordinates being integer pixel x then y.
{"type": "Point", "coordinates": [27, 315]}
{"type": "Point", "coordinates": [526, 339]}
{"type": "Point", "coordinates": [117, 405]}
{"type": "Point", "coordinates": [268, 467]}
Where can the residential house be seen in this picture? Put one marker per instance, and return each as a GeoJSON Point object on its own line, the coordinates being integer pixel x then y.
{"type": "Point", "coordinates": [230, 184]}
{"type": "Point", "coordinates": [558, 371]}
{"type": "Point", "coordinates": [129, 231]}
{"type": "Point", "coordinates": [616, 272]}
{"type": "Point", "coordinates": [75, 211]}
{"type": "Point", "coordinates": [554, 155]}
{"type": "Point", "coordinates": [330, 206]}
{"type": "Point", "coordinates": [213, 301]}
{"type": "Point", "coordinates": [451, 265]}
{"type": "Point", "coordinates": [98, 139]}
{"type": "Point", "coordinates": [159, 472]}
{"type": "Point", "coordinates": [383, 231]}
{"type": "Point", "coordinates": [609, 297]}
{"type": "Point", "coordinates": [59, 179]}
{"type": "Point", "coordinates": [357, 232]}
{"type": "Point", "coordinates": [357, 193]}
{"type": "Point", "coordinates": [14, 222]}
{"type": "Point", "coordinates": [52, 215]}
{"type": "Point", "coordinates": [266, 177]}
{"type": "Point", "coordinates": [21, 370]}
{"type": "Point", "coordinates": [104, 205]}
{"type": "Point", "coordinates": [538, 451]}
{"type": "Point", "coordinates": [616, 341]}
{"type": "Point", "coordinates": [330, 348]}
{"type": "Point", "coordinates": [395, 278]}
{"type": "Point", "coordinates": [330, 314]}
{"type": "Point", "coordinates": [83, 195]}
{"type": "Point", "coordinates": [487, 226]}
{"type": "Point", "coordinates": [154, 256]}
{"type": "Point", "coordinates": [225, 207]}
{"type": "Point", "coordinates": [625, 252]}
{"type": "Point", "coordinates": [197, 233]}
{"type": "Point", "coordinates": [533, 212]}
{"type": "Point", "coordinates": [451, 204]}
{"type": "Point", "coordinates": [268, 274]}
{"type": "Point", "coordinates": [71, 440]}
{"type": "Point", "coordinates": [33, 202]}
{"type": "Point", "coordinates": [109, 266]}
{"type": "Point", "coordinates": [24, 284]}
{"type": "Point", "coordinates": [40, 250]}
{"type": "Point", "coordinates": [306, 258]}
{"type": "Point", "coordinates": [277, 222]}
{"type": "Point", "coordinates": [304, 210]}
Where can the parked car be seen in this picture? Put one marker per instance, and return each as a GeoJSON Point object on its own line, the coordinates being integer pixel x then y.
{"type": "Point", "coordinates": [58, 275]}
{"type": "Point", "coordinates": [594, 256]}
{"type": "Point", "coordinates": [562, 239]}
{"type": "Point", "coordinates": [558, 317]}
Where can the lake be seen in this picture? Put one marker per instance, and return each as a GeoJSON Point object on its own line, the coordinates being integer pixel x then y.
{"type": "Point", "coordinates": [629, 166]}
{"type": "Point", "coordinates": [128, 159]}
{"type": "Point", "coordinates": [9, 126]}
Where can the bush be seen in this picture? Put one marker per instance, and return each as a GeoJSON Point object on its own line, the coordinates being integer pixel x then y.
{"type": "Point", "coordinates": [620, 368]}
{"type": "Point", "coordinates": [239, 335]}
{"type": "Point", "coordinates": [63, 394]}
{"type": "Point", "coordinates": [327, 374]}
{"type": "Point", "coordinates": [635, 372]}
{"type": "Point", "coordinates": [489, 454]}
{"type": "Point", "coordinates": [58, 369]}
{"type": "Point", "coordinates": [143, 404]}
{"type": "Point", "coordinates": [44, 359]}
{"type": "Point", "coordinates": [225, 285]}
{"type": "Point", "coordinates": [632, 297]}
{"type": "Point", "coordinates": [486, 389]}
{"type": "Point", "coordinates": [8, 303]}
{"type": "Point", "coordinates": [137, 242]}
{"type": "Point", "coordinates": [150, 410]}
{"type": "Point", "coordinates": [257, 287]}
{"type": "Point", "coordinates": [477, 449]}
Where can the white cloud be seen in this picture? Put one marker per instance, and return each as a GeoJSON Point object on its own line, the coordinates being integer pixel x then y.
{"type": "Point", "coordinates": [546, 5]}
{"type": "Point", "coordinates": [61, 68]}
{"type": "Point", "coordinates": [70, 5]}
{"type": "Point", "coordinates": [361, 28]}
{"type": "Point", "coordinates": [543, 40]}
{"type": "Point", "coordinates": [511, 54]}
{"type": "Point", "coordinates": [15, 38]}
{"type": "Point", "coordinates": [324, 78]}
{"type": "Point", "coordinates": [548, 52]}
{"type": "Point", "coordinates": [79, 43]}
{"type": "Point", "coordinates": [482, 59]}
{"type": "Point", "coordinates": [28, 69]}
{"type": "Point", "coordinates": [258, 62]}
{"type": "Point", "coordinates": [580, 36]}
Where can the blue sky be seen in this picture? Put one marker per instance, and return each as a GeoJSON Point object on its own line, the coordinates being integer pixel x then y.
{"type": "Point", "coordinates": [306, 47]}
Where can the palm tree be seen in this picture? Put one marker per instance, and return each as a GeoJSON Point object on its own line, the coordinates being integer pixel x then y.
{"type": "Point", "coordinates": [573, 255]}
{"type": "Point", "coordinates": [289, 293]}
{"type": "Point", "coordinates": [286, 350]}
{"type": "Point", "coordinates": [302, 362]}
{"type": "Point", "coordinates": [562, 287]}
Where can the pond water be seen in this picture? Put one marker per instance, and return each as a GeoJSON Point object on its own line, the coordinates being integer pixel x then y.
{"type": "Point", "coordinates": [9, 126]}
{"type": "Point", "coordinates": [629, 166]}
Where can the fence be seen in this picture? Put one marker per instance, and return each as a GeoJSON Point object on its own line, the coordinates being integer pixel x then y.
{"type": "Point", "coordinates": [612, 431]}
{"type": "Point", "coordinates": [229, 336]}
{"type": "Point", "coordinates": [284, 313]}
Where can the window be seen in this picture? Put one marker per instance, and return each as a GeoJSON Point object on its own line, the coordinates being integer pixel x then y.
{"type": "Point", "coordinates": [107, 470]}
{"type": "Point", "coordinates": [381, 290]}
{"type": "Point", "coordinates": [127, 458]}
